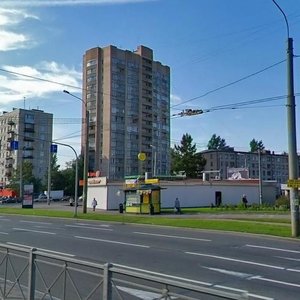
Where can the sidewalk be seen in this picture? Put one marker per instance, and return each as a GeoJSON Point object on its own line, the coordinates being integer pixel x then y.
{"type": "Point", "coordinates": [250, 215]}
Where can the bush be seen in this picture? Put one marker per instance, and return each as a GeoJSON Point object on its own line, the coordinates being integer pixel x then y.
{"type": "Point", "coordinates": [282, 202]}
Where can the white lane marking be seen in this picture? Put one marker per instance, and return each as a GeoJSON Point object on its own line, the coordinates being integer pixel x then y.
{"type": "Point", "coordinates": [87, 227]}
{"type": "Point", "coordinates": [85, 224]}
{"type": "Point", "coordinates": [110, 241]}
{"type": "Point", "coordinates": [142, 294]}
{"type": "Point", "coordinates": [243, 291]}
{"type": "Point", "coordinates": [8, 220]}
{"type": "Point", "coordinates": [164, 275]}
{"type": "Point", "coordinates": [41, 249]}
{"type": "Point", "coordinates": [271, 248]}
{"type": "Point", "coordinates": [276, 281]}
{"type": "Point", "coordinates": [36, 231]}
{"type": "Point", "coordinates": [194, 281]}
{"type": "Point", "coordinates": [3, 233]}
{"type": "Point", "coordinates": [172, 236]}
{"type": "Point", "coordinates": [229, 272]}
{"type": "Point", "coordinates": [288, 258]}
{"type": "Point", "coordinates": [293, 270]}
{"type": "Point", "coordinates": [236, 260]}
{"type": "Point", "coordinates": [34, 222]}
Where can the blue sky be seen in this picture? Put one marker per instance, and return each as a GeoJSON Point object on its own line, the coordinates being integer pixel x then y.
{"type": "Point", "coordinates": [207, 44]}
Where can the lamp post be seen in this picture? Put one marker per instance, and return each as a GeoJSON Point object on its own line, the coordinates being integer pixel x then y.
{"type": "Point", "coordinates": [86, 150]}
{"type": "Point", "coordinates": [259, 177]}
{"type": "Point", "coordinates": [154, 161]}
{"type": "Point", "coordinates": [291, 126]}
{"type": "Point", "coordinates": [76, 176]}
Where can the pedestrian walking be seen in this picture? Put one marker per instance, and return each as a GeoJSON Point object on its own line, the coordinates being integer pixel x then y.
{"type": "Point", "coordinates": [94, 204]}
{"type": "Point", "coordinates": [244, 200]}
{"type": "Point", "coordinates": [177, 206]}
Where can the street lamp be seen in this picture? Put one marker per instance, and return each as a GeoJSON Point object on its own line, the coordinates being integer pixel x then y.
{"type": "Point", "coordinates": [154, 162]}
{"type": "Point", "coordinates": [259, 177]}
{"type": "Point", "coordinates": [86, 151]}
{"type": "Point", "coordinates": [291, 125]}
{"type": "Point", "coordinates": [76, 176]}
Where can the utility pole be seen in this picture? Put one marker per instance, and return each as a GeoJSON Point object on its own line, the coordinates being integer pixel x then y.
{"type": "Point", "coordinates": [291, 126]}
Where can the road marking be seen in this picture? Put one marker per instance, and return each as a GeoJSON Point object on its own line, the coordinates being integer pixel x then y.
{"type": "Point", "coordinates": [271, 248]}
{"type": "Point", "coordinates": [164, 275]}
{"type": "Point", "coordinates": [276, 281]}
{"type": "Point", "coordinates": [243, 291]}
{"type": "Point", "coordinates": [145, 295]}
{"type": "Point", "coordinates": [229, 272]}
{"type": "Point", "coordinates": [34, 222]}
{"type": "Point", "coordinates": [288, 258]}
{"type": "Point", "coordinates": [172, 236]}
{"type": "Point", "coordinates": [41, 249]}
{"type": "Point", "coordinates": [85, 224]}
{"type": "Point", "coordinates": [236, 260]}
{"type": "Point", "coordinates": [109, 241]}
{"type": "Point", "coordinates": [87, 227]}
{"type": "Point", "coordinates": [3, 233]}
{"type": "Point", "coordinates": [36, 231]}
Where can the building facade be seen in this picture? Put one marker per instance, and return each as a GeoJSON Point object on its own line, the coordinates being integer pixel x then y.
{"type": "Point", "coordinates": [271, 166]}
{"type": "Point", "coordinates": [25, 135]}
{"type": "Point", "coordinates": [127, 95]}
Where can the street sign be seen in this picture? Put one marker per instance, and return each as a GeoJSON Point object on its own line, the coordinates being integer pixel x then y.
{"type": "Point", "coordinates": [53, 148]}
{"type": "Point", "coordinates": [14, 145]}
{"type": "Point", "coordinates": [293, 183]}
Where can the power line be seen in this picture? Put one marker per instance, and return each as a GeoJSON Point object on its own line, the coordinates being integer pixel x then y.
{"type": "Point", "coordinates": [230, 84]}
{"type": "Point", "coordinates": [238, 105]}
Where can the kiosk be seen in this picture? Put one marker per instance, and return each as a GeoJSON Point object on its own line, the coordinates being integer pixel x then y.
{"type": "Point", "coordinates": [142, 199]}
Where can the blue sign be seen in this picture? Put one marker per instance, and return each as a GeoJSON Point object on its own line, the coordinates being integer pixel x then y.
{"type": "Point", "coordinates": [53, 148]}
{"type": "Point", "coordinates": [14, 145]}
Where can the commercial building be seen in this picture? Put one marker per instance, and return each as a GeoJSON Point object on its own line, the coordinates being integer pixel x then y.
{"type": "Point", "coordinates": [127, 95]}
{"type": "Point", "coordinates": [24, 135]}
{"type": "Point", "coordinates": [269, 165]}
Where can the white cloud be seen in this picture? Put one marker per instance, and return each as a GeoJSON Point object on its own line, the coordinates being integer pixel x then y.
{"type": "Point", "coordinates": [175, 99]}
{"type": "Point", "coordinates": [10, 39]}
{"type": "Point", "coordinates": [38, 3]}
{"type": "Point", "coordinates": [14, 87]}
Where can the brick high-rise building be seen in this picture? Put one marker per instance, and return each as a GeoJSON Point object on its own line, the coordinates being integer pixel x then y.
{"type": "Point", "coordinates": [128, 99]}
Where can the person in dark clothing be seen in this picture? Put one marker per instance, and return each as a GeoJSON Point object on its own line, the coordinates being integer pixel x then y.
{"type": "Point", "coordinates": [244, 200]}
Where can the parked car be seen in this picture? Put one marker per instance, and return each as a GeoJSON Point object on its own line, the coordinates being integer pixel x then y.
{"type": "Point", "coordinates": [41, 198]}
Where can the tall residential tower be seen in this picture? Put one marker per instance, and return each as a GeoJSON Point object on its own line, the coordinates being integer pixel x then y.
{"type": "Point", "coordinates": [128, 99]}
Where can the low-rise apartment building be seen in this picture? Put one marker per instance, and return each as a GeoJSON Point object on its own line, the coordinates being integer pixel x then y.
{"type": "Point", "coordinates": [272, 166]}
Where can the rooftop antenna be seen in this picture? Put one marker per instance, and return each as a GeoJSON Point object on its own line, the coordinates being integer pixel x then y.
{"type": "Point", "coordinates": [24, 98]}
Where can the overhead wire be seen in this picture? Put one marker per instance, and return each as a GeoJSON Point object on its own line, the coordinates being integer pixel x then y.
{"type": "Point", "coordinates": [230, 83]}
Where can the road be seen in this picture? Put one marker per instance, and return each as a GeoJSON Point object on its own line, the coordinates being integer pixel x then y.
{"type": "Point", "coordinates": [265, 267]}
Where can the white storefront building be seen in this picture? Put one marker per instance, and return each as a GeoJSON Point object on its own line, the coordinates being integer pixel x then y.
{"type": "Point", "coordinates": [191, 193]}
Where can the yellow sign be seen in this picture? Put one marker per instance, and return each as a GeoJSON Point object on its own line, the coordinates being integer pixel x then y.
{"type": "Point", "coordinates": [293, 183]}
{"type": "Point", "coordinates": [142, 156]}
{"type": "Point", "coordinates": [152, 180]}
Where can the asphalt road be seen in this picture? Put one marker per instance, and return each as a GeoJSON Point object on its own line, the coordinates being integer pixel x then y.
{"type": "Point", "coordinates": [265, 267]}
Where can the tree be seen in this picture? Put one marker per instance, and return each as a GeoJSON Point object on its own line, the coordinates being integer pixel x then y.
{"type": "Point", "coordinates": [256, 145]}
{"type": "Point", "coordinates": [216, 143]}
{"type": "Point", "coordinates": [184, 158]}
{"type": "Point", "coordinates": [27, 178]}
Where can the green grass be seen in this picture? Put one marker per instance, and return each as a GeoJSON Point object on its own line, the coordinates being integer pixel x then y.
{"type": "Point", "coordinates": [268, 226]}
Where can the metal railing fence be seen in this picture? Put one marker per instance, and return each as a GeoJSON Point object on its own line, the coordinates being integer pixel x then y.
{"type": "Point", "coordinates": [33, 274]}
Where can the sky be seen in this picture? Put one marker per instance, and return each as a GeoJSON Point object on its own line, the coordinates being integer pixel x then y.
{"type": "Point", "coordinates": [227, 57]}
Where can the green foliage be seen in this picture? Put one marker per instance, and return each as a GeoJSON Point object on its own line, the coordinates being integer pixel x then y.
{"type": "Point", "coordinates": [256, 145]}
{"type": "Point", "coordinates": [282, 202]}
{"type": "Point", "coordinates": [184, 158]}
{"type": "Point", "coordinates": [216, 143]}
{"type": "Point", "coordinates": [27, 176]}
